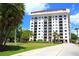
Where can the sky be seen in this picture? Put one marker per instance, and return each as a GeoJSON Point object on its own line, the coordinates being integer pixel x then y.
{"type": "Point", "coordinates": [74, 12]}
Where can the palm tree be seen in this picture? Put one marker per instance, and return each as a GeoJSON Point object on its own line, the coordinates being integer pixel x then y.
{"type": "Point", "coordinates": [58, 37]}
{"type": "Point", "coordinates": [11, 15]}
{"type": "Point", "coordinates": [55, 37]}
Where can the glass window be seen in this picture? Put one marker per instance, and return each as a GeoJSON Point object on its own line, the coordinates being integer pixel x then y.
{"type": "Point", "coordinates": [39, 34]}
{"type": "Point", "coordinates": [32, 18]}
{"type": "Point", "coordinates": [65, 27]}
{"type": "Point", "coordinates": [65, 36]}
{"type": "Point", "coordinates": [64, 15]}
{"type": "Point", "coordinates": [64, 18]}
{"type": "Point", "coordinates": [55, 16]}
{"type": "Point", "coordinates": [35, 17]}
{"type": "Point", "coordinates": [31, 25]}
{"type": "Point", "coordinates": [60, 18]}
{"type": "Point", "coordinates": [39, 22]}
{"type": "Point", "coordinates": [45, 17]}
{"type": "Point", "coordinates": [56, 31]}
{"type": "Point", "coordinates": [65, 33]}
{"type": "Point", "coordinates": [65, 30]}
{"type": "Point", "coordinates": [56, 19]}
{"type": "Point", "coordinates": [60, 15]}
{"type": "Point", "coordinates": [65, 24]}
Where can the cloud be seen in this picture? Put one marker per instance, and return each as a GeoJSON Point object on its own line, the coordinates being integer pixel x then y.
{"type": "Point", "coordinates": [75, 19]}
{"type": "Point", "coordinates": [30, 7]}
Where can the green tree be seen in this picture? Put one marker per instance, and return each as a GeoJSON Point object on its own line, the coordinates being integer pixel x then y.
{"type": "Point", "coordinates": [55, 37]}
{"type": "Point", "coordinates": [73, 37]}
{"type": "Point", "coordinates": [26, 34]}
{"type": "Point", "coordinates": [11, 15]}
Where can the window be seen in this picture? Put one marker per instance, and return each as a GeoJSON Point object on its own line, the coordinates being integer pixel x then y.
{"type": "Point", "coordinates": [65, 36]}
{"type": "Point", "coordinates": [60, 22]}
{"type": "Point", "coordinates": [65, 24]}
{"type": "Point", "coordinates": [50, 25]}
{"type": "Point", "coordinates": [64, 18]}
{"type": "Point", "coordinates": [65, 21]}
{"type": "Point", "coordinates": [35, 25]}
{"type": "Point", "coordinates": [35, 28]}
{"type": "Point", "coordinates": [56, 24]}
{"type": "Point", "coordinates": [56, 19]}
{"type": "Point", "coordinates": [61, 30]}
{"type": "Point", "coordinates": [45, 22]}
{"type": "Point", "coordinates": [39, 34]}
{"type": "Point", "coordinates": [64, 15]}
{"type": "Point", "coordinates": [55, 16]}
{"type": "Point", "coordinates": [65, 27]}
{"type": "Point", "coordinates": [65, 33]}
{"type": "Point", "coordinates": [61, 27]}
{"type": "Point", "coordinates": [35, 17]}
{"type": "Point", "coordinates": [56, 27]}
{"type": "Point", "coordinates": [45, 25]}
{"type": "Point", "coordinates": [60, 15]}
{"type": "Point", "coordinates": [35, 22]}
{"type": "Point", "coordinates": [39, 25]}
{"type": "Point", "coordinates": [32, 18]}
{"type": "Point", "coordinates": [39, 22]}
{"type": "Point", "coordinates": [61, 33]}
{"type": "Point", "coordinates": [56, 31]}
{"type": "Point", "coordinates": [49, 22]}
{"type": "Point", "coordinates": [45, 17]}
{"type": "Point", "coordinates": [65, 30]}
{"type": "Point", "coordinates": [60, 18]}
{"type": "Point", "coordinates": [31, 25]}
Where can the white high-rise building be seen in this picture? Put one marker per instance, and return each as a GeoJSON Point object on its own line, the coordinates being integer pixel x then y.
{"type": "Point", "coordinates": [44, 23]}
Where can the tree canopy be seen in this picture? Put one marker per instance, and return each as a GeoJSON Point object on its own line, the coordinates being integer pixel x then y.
{"type": "Point", "coordinates": [11, 15]}
{"type": "Point", "coordinates": [73, 36]}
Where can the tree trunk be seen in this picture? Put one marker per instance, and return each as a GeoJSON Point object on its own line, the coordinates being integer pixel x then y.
{"type": "Point", "coordinates": [5, 41]}
{"type": "Point", "coordinates": [1, 41]}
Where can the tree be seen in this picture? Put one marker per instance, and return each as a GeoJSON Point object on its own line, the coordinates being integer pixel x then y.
{"type": "Point", "coordinates": [26, 34]}
{"type": "Point", "coordinates": [55, 37]}
{"type": "Point", "coordinates": [73, 37]}
{"type": "Point", "coordinates": [77, 30]}
{"type": "Point", "coordinates": [11, 15]}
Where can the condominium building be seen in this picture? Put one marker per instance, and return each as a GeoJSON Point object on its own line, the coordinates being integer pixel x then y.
{"type": "Point", "coordinates": [44, 23]}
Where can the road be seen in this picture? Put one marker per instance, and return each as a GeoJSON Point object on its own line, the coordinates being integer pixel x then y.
{"type": "Point", "coordinates": [66, 49]}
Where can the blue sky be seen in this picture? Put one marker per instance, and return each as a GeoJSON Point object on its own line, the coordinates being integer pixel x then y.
{"type": "Point", "coordinates": [74, 12]}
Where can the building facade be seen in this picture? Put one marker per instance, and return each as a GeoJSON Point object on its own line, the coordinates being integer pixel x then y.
{"type": "Point", "coordinates": [44, 23]}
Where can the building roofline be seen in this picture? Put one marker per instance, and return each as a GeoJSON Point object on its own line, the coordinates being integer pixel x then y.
{"type": "Point", "coordinates": [47, 10]}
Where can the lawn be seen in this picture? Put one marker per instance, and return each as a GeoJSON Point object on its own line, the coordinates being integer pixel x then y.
{"type": "Point", "coordinates": [11, 48]}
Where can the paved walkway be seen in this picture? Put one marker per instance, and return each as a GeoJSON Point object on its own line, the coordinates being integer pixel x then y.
{"type": "Point", "coordinates": [58, 50]}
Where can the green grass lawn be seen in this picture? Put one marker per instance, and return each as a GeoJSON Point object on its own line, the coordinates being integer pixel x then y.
{"type": "Point", "coordinates": [21, 47]}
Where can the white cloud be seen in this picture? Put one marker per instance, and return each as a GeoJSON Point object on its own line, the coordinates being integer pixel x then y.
{"type": "Point", "coordinates": [30, 7]}
{"type": "Point", "coordinates": [75, 19]}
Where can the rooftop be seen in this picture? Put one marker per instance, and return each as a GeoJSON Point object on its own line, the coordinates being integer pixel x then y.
{"type": "Point", "coordinates": [64, 9]}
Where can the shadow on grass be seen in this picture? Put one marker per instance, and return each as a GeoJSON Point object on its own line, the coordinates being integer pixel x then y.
{"type": "Point", "coordinates": [10, 48]}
